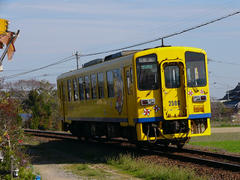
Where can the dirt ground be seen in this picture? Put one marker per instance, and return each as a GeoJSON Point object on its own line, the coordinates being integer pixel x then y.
{"type": "Point", "coordinates": [51, 165]}
{"type": "Point", "coordinates": [50, 170]}
{"type": "Point", "coordinates": [57, 172]}
{"type": "Point", "coordinates": [225, 130]}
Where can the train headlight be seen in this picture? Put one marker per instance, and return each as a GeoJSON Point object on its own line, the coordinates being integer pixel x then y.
{"type": "Point", "coordinates": [198, 108]}
{"type": "Point", "coordinates": [199, 98]}
{"type": "Point", "coordinates": [147, 102]}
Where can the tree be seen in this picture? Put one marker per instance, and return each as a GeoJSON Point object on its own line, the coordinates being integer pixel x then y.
{"type": "Point", "coordinates": [41, 111]}
{"type": "Point", "coordinates": [47, 105]}
{"type": "Point", "coordinates": [21, 88]}
{"type": "Point", "coordinates": [1, 83]}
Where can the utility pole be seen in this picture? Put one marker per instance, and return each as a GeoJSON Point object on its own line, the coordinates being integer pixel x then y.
{"type": "Point", "coordinates": [77, 58]}
{"type": "Point", "coordinates": [228, 92]}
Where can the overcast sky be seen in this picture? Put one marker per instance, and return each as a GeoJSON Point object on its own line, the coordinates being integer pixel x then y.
{"type": "Point", "coordinates": [50, 30]}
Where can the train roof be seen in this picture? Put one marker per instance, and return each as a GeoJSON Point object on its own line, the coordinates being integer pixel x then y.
{"type": "Point", "coordinates": [101, 60]}
{"type": "Point", "coordinates": [116, 56]}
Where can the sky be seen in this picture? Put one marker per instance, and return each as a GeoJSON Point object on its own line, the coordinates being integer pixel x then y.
{"type": "Point", "coordinates": [54, 30]}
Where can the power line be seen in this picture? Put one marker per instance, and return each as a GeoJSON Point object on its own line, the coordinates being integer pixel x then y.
{"type": "Point", "coordinates": [127, 47]}
{"type": "Point", "coordinates": [164, 37]}
{"type": "Point", "coordinates": [230, 63]}
{"type": "Point", "coordinates": [169, 26]}
{"type": "Point", "coordinates": [55, 63]}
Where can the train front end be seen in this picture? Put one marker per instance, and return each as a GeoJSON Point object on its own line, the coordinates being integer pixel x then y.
{"type": "Point", "coordinates": [173, 99]}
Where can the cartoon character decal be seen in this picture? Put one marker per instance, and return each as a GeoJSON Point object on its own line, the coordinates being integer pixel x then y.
{"type": "Point", "coordinates": [118, 90]}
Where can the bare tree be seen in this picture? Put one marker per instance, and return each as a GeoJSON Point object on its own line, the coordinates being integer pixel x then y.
{"type": "Point", "coordinates": [1, 83]}
{"type": "Point", "coordinates": [21, 88]}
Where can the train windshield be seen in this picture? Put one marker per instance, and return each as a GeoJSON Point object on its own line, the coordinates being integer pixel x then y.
{"type": "Point", "coordinates": [147, 72]}
{"type": "Point", "coordinates": [196, 71]}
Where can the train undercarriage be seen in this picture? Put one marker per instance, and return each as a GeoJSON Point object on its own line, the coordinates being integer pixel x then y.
{"type": "Point", "coordinates": [157, 133]}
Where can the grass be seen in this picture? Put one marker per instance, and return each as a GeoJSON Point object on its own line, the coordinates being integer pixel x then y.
{"type": "Point", "coordinates": [228, 146]}
{"type": "Point", "coordinates": [87, 170]}
{"type": "Point", "coordinates": [101, 163]}
{"type": "Point", "coordinates": [104, 162]}
{"type": "Point", "coordinates": [219, 142]}
{"type": "Point", "coordinates": [129, 166]}
{"type": "Point", "coordinates": [150, 170]}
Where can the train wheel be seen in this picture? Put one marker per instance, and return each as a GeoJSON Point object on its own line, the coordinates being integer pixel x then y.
{"type": "Point", "coordinates": [79, 137]}
{"type": "Point", "coordinates": [166, 145]}
{"type": "Point", "coordinates": [180, 145]}
{"type": "Point", "coordinates": [139, 145]}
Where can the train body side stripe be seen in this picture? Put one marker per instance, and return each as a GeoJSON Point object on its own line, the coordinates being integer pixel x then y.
{"type": "Point", "coordinates": [197, 116]}
{"type": "Point", "coordinates": [157, 119]}
{"type": "Point", "coordinates": [150, 119]}
{"type": "Point", "coordinates": [98, 119]}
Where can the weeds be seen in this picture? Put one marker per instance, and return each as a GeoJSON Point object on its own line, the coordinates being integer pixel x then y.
{"type": "Point", "coordinates": [150, 170]}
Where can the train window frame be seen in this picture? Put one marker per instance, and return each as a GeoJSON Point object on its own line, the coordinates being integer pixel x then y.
{"type": "Point", "coordinates": [143, 63]}
{"type": "Point", "coordinates": [75, 89]}
{"type": "Point", "coordinates": [128, 81]}
{"type": "Point", "coordinates": [196, 69]}
{"type": "Point", "coordinates": [174, 80]}
{"type": "Point", "coordinates": [110, 86]}
{"type": "Point", "coordinates": [81, 88]}
{"type": "Point", "coordinates": [87, 87]}
{"type": "Point", "coordinates": [93, 86]}
{"type": "Point", "coordinates": [69, 85]}
{"type": "Point", "coordinates": [131, 74]}
{"type": "Point", "coordinates": [60, 92]}
{"type": "Point", "coordinates": [64, 94]}
{"type": "Point", "coordinates": [100, 85]}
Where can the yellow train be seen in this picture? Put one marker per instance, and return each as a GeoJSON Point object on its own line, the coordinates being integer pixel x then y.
{"type": "Point", "coordinates": [158, 95]}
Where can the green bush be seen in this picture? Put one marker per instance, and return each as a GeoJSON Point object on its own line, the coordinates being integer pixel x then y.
{"type": "Point", "coordinates": [11, 136]}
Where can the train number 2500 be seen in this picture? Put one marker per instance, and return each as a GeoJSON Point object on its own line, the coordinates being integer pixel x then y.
{"type": "Point", "coordinates": [174, 103]}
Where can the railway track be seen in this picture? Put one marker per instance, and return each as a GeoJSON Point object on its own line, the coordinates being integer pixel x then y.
{"type": "Point", "coordinates": [216, 160]}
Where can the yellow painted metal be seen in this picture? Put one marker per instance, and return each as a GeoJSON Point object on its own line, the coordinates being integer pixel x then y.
{"type": "Point", "coordinates": [130, 94]}
{"type": "Point", "coordinates": [3, 26]}
{"type": "Point", "coordinates": [115, 107]}
{"type": "Point", "coordinates": [130, 97]}
{"type": "Point", "coordinates": [174, 99]}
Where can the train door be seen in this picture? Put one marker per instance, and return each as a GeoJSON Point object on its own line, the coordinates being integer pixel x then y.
{"type": "Point", "coordinates": [174, 95]}
{"type": "Point", "coordinates": [129, 93]}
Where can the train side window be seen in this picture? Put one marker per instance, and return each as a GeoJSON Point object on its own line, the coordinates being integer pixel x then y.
{"type": "Point", "coordinates": [100, 86]}
{"type": "Point", "coordinates": [128, 82]}
{"type": "Point", "coordinates": [110, 84]}
{"type": "Point", "coordinates": [131, 75]}
{"type": "Point", "coordinates": [81, 89]}
{"type": "Point", "coordinates": [87, 87]}
{"type": "Point", "coordinates": [94, 86]}
{"type": "Point", "coordinates": [75, 89]}
{"type": "Point", "coordinates": [69, 84]}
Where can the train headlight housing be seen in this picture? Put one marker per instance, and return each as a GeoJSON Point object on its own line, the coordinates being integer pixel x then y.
{"type": "Point", "coordinates": [147, 102]}
{"type": "Point", "coordinates": [198, 108]}
{"type": "Point", "coordinates": [199, 98]}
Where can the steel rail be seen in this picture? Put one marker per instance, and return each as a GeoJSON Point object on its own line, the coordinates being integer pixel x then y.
{"type": "Point", "coordinates": [211, 163]}
{"type": "Point", "coordinates": [165, 151]}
